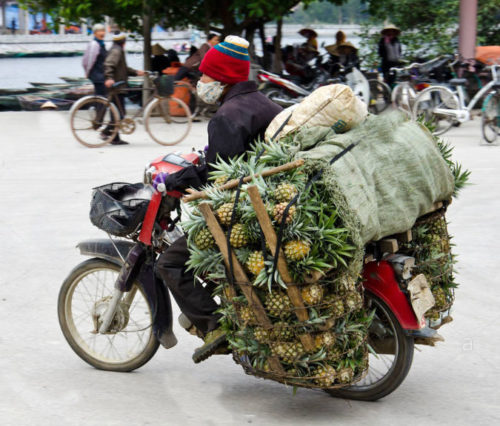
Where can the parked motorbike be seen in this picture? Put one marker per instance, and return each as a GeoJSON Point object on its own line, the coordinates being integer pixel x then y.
{"type": "Point", "coordinates": [114, 311]}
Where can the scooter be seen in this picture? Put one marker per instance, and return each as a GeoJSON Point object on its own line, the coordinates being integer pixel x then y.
{"type": "Point", "coordinates": [114, 311]}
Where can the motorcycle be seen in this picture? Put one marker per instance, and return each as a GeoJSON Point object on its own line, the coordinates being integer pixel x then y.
{"type": "Point", "coordinates": [286, 93]}
{"type": "Point", "coordinates": [114, 311]}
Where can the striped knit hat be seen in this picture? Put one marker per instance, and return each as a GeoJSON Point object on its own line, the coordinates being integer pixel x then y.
{"type": "Point", "coordinates": [227, 62]}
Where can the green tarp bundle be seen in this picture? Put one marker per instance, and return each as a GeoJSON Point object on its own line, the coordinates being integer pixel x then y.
{"type": "Point", "coordinates": [391, 177]}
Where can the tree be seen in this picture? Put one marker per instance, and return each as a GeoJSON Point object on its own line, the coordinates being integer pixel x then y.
{"type": "Point", "coordinates": [431, 28]}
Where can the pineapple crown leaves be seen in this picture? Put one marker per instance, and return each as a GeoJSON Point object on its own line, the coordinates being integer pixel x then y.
{"type": "Point", "coordinates": [461, 177]}
{"type": "Point", "coordinates": [203, 262]}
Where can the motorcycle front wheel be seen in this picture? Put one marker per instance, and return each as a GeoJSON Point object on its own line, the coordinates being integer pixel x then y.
{"type": "Point", "coordinates": [84, 296]}
{"type": "Point", "coordinates": [390, 365]}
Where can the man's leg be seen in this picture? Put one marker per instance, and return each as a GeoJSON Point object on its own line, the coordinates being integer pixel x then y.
{"type": "Point", "coordinates": [99, 90]}
{"type": "Point", "coordinates": [193, 299]}
{"type": "Point", "coordinates": [120, 104]}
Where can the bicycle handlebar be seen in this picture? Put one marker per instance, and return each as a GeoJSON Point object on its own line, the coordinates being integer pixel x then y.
{"type": "Point", "coordinates": [422, 64]}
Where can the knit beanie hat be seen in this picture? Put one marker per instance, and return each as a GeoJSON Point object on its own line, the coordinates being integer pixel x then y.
{"type": "Point", "coordinates": [227, 62]}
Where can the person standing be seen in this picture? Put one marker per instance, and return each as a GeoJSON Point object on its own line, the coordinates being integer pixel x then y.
{"type": "Point", "coordinates": [93, 60]}
{"type": "Point", "coordinates": [193, 62]}
{"type": "Point", "coordinates": [389, 50]}
{"type": "Point", "coordinates": [243, 116]}
{"type": "Point", "coordinates": [116, 70]}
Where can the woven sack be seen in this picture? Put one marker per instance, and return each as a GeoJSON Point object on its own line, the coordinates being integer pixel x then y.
{"type": "Point", "coordinates": [334, 106]}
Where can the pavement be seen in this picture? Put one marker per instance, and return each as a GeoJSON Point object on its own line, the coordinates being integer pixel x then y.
{"type": "Point", "coordinates": [45, 185]}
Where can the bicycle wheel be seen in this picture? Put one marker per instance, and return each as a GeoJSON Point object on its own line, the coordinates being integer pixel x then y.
{"type": "Point", "coordinates": [83, 299]}
{"type": "Point", "coordinates": [94, 121]}
{"type": "Point", "coordinates": [490, 120]}
{"type": "Point", "coordinates": [167, 120]}
{"type": "Point", "coordinates": [380, 96]}
{"type": "Point", "coordinates": [436, 106]}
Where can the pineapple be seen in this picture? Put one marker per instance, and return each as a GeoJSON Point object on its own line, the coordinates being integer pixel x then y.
{"type": "Point", "coordinates": [292, 373]}
{"type": "Point", "coordinates": [224, 213]}
{"type": "Point", "coordinates": [353, 301]}
{"type": "Point", "coordinates": [440, 297]}
{"type": "Point", "coordinates": [261, 334]}
{"type": "Point", "coordinates": [279, 210]}
{"type": "Point", "coordinates": [345, 375]}
{"type": "Point", "coordinates": [282, 332]}
{"type": "Point", "coordinates": [296, 250]}
{"type": "Point", "coordinates": [356, 339]}
{"type": "Point", "coordinates": [334, 354]}
{"type": "Point", "coordinates": [335, 305]}
{"type": "Point", "coordinates": [325, 375]}
{"type": "Point", "coordinates": [239, 236]}
{"type": "Point", "coordinates": [289, 352]}
{"type": "Point", "coordinates": [285, 192]}
{"type": "Point", "coordinates": [247, 315]}
{"type": "Point", "coordinates": [312, 294]}
{"type": "Point", "coordinates": [255, 262]}
{"type": "Point", "coordinates": [345, 284]}
{"type": "Point", "coordinates": [221, 180]}
{"type": "Point", "coordinates": [325, 340]}
{"type": "Point", "coordinates": [278, 304]}
{"type": "Point", "coordinates": [204, 239]}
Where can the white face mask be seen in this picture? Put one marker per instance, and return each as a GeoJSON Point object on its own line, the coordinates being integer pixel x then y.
{"type": "Point", "coordinates": [210, 92]}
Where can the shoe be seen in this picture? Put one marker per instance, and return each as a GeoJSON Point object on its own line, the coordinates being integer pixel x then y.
{"type": "Point", "coordinates": [119, 142]}
{"type": "Point", "coordinates": [213, 341]}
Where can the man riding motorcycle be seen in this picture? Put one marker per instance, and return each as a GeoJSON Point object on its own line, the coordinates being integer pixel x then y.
{"type": "Point", "coordinates": [243, 116]}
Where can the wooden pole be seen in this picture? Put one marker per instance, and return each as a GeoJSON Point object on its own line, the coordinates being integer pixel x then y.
{"type": "Point", "coordinates": [272, 240]}
{"type": "Point", "coordinates": [196, 195]}
{"type": "Point", "coordinates": [239, 274]}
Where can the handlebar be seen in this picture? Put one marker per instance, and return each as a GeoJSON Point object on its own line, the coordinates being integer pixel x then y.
{"type": "Point", "coordinates": [420, 64]}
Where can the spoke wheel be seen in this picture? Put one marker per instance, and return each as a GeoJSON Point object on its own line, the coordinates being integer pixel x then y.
{"type": "Point", "coordinates": [490, 121]}
{"type": "Point", "coordinates": [380, 96]}
{"type": "Point", "coordinates": [94, 121]}
{"type": "Point", "coordinates": [167, 120]}
{"type": "Point", "coordinates": [427, 104]}
{"type": "Point", "coordinates": [83, 299]}
{"type": "Point", "coordinates": [394, 355]}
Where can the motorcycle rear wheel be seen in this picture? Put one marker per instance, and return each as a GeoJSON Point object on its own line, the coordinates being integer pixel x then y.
{"type": "Point", "coordinates": [92, 282]}
{"type": "Point", "coordinates": [385, 324]}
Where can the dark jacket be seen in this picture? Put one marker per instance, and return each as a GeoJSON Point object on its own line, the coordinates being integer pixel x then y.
{"type": "Point", "coordinates": [96, 74]}
{"type": "Point", "coordinates": [115, 65]}
{"type": "Point", "coordinates": [384, 54]}
{"type": "Point", "coordinates": [243, 117]}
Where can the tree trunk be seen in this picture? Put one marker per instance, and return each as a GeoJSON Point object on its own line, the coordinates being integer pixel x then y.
{"type": "Point", "coordinates": [4, 17]}
{"type": "Point", "coordinates": [266, 58]}
{"type": "Point", "coordinates": [249, 35]}
{"type": "Point", "coordinates": [277, 48]}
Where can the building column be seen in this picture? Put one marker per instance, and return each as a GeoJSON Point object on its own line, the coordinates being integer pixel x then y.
{"type": "Point", "coordinates": [467, 30]}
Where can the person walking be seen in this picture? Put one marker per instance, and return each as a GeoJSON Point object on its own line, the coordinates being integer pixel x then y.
{"type": "Point", "coordinates": [243, 116]}
{"type": "Point", "coordinates": [389, 50]}
{"type": "Point", "coordinates": [193, 62]}
{"type": "Point", "coordinates": [116, 70]}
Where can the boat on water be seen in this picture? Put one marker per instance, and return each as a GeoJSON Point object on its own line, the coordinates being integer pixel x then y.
{"type": "Point", "coordinates": [76, 80]}
{"type": "Point", "coordinates": [9, 103]}
{"type": "Point", "coordinates": [13, 92]}
{"type": "Point", "coordinates": [35, 103]}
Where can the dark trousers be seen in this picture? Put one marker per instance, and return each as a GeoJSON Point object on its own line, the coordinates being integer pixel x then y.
{"type": "Point", "coordinates": [194, 300]}
{"type": "Point", "coordinates": [389, 77]}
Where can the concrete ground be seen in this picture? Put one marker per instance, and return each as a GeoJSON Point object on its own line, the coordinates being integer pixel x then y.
{"type": "Point", "coordinates": [45, 186]}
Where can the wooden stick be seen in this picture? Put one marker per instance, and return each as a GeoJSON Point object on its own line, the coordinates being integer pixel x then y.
{"type": "Point", "coordinates": [240, 276]}
{"type": "Point", "coordinates": [196, 195]}
{"type": "Point", "coordinates": [272, 240]}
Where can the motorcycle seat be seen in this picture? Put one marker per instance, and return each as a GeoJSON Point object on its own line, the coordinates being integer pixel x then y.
{"type": "Point", "coordinates": [458, 81]}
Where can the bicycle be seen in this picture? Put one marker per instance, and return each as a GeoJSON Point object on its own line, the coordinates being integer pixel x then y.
{"type": "Point", "coordinates": [444, 108]}
{"type": "Point", "coordinates": [96, 120]}
{"type": "Point", "coordinates": [404, 94]}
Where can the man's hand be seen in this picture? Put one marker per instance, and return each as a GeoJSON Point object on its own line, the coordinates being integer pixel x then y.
{"type": "Point", "coordinates": [140, 73]}
{"type": "Point", "coordinates": [109, 82]}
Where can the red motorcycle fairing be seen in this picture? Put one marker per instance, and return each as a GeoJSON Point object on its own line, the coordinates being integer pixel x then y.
{"type": "Point", "coordinates": [380, 280]}
{"type": "Point", "coordinates": [170, 163]}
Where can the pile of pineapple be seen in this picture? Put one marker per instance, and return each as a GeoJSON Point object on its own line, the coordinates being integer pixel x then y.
{"type": "Point", "coordinates": [431, 248]}
{"type": "Point", "coordinates": [314, 239]}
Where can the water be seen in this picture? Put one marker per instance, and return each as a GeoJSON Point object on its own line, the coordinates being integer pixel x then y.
{"type": "Point", "coordinates": [18, 72]}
